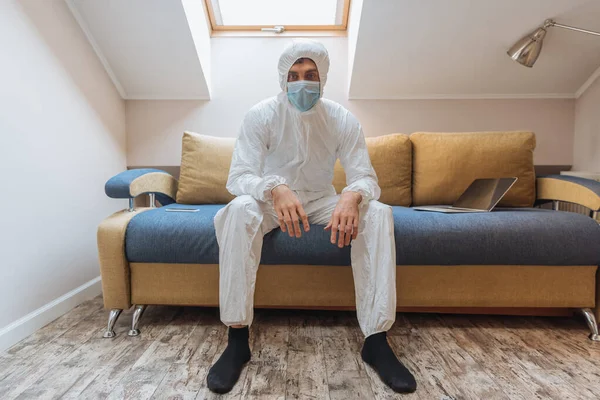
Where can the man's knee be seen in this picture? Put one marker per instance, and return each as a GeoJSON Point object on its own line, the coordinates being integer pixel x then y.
{"type": "Point", "coordinates": [238, 208]}
{"type": "Point", "coordinates": [376, 208]}
{"type": "Point", "coordinates": [243, 204]}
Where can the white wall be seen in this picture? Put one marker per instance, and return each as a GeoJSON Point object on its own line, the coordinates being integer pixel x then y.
{"type": "Point", "coordinates": [244, 72]}
{"type": "Point", "coordinates": [586, 153]}
{"type": "Point", "coordinates": [62, 127]}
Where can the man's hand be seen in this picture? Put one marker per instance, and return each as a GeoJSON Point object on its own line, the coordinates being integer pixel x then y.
{"type": "Point", "coordinates": [289, 211]}
{"type": "Point", "coordinates": [345, 216]}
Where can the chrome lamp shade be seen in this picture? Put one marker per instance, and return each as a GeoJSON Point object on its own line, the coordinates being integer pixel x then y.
{"type": "Point", "coordinates": [527, 50]}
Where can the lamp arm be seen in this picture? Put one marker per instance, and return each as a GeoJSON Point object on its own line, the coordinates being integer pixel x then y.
{"type": "Point", "coordinates": [572, 28]}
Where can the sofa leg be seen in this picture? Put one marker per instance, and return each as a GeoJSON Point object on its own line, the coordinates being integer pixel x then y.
{"type": "Point", "coordinates": [592, 323]}
{"type": "Point", "coordinates": [112, 319]}
{"type": "Point", "coordinates": [135, 320]}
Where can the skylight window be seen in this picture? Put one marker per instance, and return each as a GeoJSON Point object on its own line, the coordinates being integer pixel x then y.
{"type": "Point", "coordinates": [278, 15]}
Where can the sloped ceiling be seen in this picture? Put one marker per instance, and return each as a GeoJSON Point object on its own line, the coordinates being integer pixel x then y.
{"type": "Point", "coordinates": [147, 46]}
{"type": "Point", "coordinates": [399, 49]}
{"type": "Point", "coordinates": [457, 49]}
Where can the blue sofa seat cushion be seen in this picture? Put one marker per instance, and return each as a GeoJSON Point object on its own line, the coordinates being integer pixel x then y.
{"type": "Point", "coordinates": [523, 236]}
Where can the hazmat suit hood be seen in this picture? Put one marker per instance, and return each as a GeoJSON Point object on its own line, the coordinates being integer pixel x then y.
{"type": "Point", "coordinates": [303, 48]}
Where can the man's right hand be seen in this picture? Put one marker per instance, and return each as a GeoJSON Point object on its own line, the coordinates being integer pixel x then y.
{"type": "Point", "coordinates": [289, 211]}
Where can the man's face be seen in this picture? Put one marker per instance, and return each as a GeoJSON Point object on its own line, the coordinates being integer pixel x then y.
{"type": "Point", "coordinates": [304, 69]}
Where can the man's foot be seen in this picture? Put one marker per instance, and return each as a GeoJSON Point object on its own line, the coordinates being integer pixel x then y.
{"type": "Point", "coordinates": [226, 371]}
{"type": "Point", "coordinates": [378, 354]}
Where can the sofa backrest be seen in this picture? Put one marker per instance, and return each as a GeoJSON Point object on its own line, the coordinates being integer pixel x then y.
{"type": "Point", "coordinates": [445, 164]}
{"type": "Point", "coordinates": [391, 157]}
{"type": "Point", "coordinates": [205, 162]}
{"type": "Point", "coordinates": [420, 169]}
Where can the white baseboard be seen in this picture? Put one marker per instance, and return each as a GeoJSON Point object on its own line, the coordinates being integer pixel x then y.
{"type": "Point", "coordinates": [23, 327]}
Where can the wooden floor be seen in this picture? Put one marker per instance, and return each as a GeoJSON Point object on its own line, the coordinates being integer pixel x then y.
{"type": "Point", "coordinates": [302, 354]}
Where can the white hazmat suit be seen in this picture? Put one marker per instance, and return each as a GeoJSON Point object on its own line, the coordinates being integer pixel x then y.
{"type": "Point", "coordinates": [278, 144]}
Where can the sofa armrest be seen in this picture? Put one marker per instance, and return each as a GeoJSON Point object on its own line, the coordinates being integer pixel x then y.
{"type": "Point", "coordinates": [572, 189]}
{"type": "Point", "coordinates": [114, 267]}
{"type": "Point", "coordinates": [134, 182]}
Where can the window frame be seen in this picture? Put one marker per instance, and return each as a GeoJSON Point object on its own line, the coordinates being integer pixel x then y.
{"type": "Point", "coordinates": [288, 28]}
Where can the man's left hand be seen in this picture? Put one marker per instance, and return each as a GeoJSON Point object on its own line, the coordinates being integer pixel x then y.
{"type": "Point", "coordinates": [345, 219]}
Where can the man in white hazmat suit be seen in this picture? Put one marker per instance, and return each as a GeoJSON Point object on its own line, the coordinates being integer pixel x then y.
{"type": "Point", "coordinates": [282, 173]}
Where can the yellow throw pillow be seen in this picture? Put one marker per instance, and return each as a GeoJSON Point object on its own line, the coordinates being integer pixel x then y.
{"type": "Point", "coordinates": [391, 159]}
{"type": "Point", "coordinates": [205, 162]}
{"type": "Point", "coordinates": [445, 164]}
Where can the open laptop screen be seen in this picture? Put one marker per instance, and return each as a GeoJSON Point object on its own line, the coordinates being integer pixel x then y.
{"type": "Point", "coordinates": [484, 194]}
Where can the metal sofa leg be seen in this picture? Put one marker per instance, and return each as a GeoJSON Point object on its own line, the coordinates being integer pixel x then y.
{"type": "Point", "coordinates": [135, 319]}
{"type": "Point", "coordinates": [592, 323]}
{"type": "Point", "coordinates": [112, 319]}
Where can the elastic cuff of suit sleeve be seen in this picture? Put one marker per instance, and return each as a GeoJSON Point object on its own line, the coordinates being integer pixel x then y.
{"type": "Point", "coordinates": [279, 184]}
{"type": "Point", "coordinates": [271, 182]}
{"type": "Point", "coordinates": [363, 193]}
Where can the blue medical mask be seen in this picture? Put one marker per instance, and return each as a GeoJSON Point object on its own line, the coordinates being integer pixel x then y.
{"type": "Point", "coordinates": [303, 94]}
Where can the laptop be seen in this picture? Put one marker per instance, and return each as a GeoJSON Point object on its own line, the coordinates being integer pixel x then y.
{"type": "Point", "coordinates": [481, 196]}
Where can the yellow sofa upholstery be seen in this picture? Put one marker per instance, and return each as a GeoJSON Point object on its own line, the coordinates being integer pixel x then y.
{"type": "Point", "coordinates": [205, 164]}
{"type": "Point", "coordinates": [445, 164]}
{"type": "Point", "coordinates": [391, 157]}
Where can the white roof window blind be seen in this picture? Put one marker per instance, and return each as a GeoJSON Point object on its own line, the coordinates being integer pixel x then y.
{"type": "Point", "coordinates": [278, 15]}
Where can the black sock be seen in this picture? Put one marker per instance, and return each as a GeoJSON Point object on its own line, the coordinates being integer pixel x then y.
{"type": "Point", "coordinates": [226, 371]}
{"type": "Point", "coordinates": [378, 354]}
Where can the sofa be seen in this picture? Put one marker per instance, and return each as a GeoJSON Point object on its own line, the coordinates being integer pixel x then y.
{"type": "Point", "coordinates": [525, 257]}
